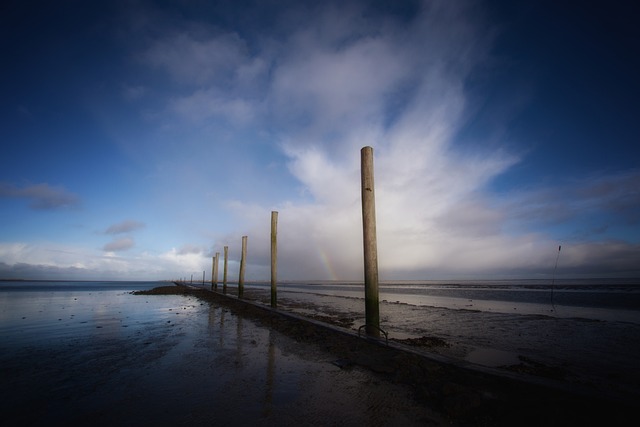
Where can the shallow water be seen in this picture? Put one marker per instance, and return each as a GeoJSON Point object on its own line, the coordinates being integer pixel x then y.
{"type": "Point", "coordinates": [596, 299]}
{"type": "Point", "coordinates": [102, 356]}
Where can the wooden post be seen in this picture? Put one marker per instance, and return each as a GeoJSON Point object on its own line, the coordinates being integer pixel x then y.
{"type": "Point", "coordinates": [274, 258]}
{"type": "Point", "coordinates": [224, 270]}
{"type": "Point", "coordinates": [192, 278]}
{"type": "Point", "coordinates": [202, 277]}
{"type": "Point", "coordinates": [243, 261]}
{"type": "Point", "coordinates": [371, 298]}
{"type": "Point", "coordinates": [215, 270]}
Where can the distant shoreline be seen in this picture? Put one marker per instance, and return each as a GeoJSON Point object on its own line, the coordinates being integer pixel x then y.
{"type": "Point", "coordinates": [351, 282]}
{"type": "Point", "coordinates": [85, 281]}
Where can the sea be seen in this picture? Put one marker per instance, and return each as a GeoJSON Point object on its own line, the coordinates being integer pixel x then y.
{"type": "Point", "coordinates": [594, 299]}
{"type": "Point", "coordinates": [68, 337]}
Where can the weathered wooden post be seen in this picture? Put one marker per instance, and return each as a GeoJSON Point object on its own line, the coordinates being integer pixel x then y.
{"type": "Point", "coordinates": [202, 277]}
{"type": "Point", "coordinates": [274, 258]}
{"type": "Point", "coordinates": [224, 270]}
{"type": "Point", "coordinates": [243, 261]}
{"type": "Point", "coordinates": [215, 270]}
{"type": "Point", "coordinates": [192, 278]}
{"type": "Point", "coordinates": [371, 299]}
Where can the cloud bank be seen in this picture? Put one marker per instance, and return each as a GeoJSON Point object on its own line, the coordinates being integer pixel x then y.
{"type": "Point", "coordinates": [47, 261]}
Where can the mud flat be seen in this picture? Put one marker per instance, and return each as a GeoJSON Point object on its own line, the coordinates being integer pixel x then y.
{"type": "Point", "coordinates": [107, 357]}
{"type": "Point", "coordinates": [458, 391]}
{"type": "Point", "coordinates": [95, 354]}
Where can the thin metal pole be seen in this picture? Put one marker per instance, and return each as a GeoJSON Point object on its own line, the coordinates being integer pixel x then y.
{"type": "Point", "coordinates": [274, 258]}
{"type": "Point", "coordinates": [371, 297]}
{"type": "Point", "coordinates": [243, 258]}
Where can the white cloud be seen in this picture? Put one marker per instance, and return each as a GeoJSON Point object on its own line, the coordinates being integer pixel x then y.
{"type": "Point", "coordinates": [333, 85]}
{"type": "Point", "coordinates": [336, 79]}
{"type": "Point", "coordinates": [344, 87]}
{"type": "Point", "coordinates": [46, 260]}
{"type": "Point", "coordinates": [45, 254]}
{"type": "Point", "coordinates": [435, 215]}
{"type": "Point", "coordinates": [333, 88]}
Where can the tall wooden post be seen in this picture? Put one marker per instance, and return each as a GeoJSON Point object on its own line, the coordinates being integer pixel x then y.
{"type": "Point", "coordinates": [274, 258]}
{"type": "Point", "coordinates": [213, 271]}
{"type": "Point", "coordinates": [243, 261]}
{"type": "Point", "coordinates": [224, 270]}
{"type": "Point", "coordinates": [214, 278]}
{"type": "Point", "coordinates": [371, 298]}
{"type": "Point", "coordinates": [202, 277]}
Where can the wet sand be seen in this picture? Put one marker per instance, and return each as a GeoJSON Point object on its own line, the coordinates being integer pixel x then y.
{"type": "Point", "coordinates": [598, 356]}
{"type": "Point", "coordinates": [192, 357]}
{"type": "Point", "coordinates": [182, 359]}
{"type": "Point", "coordinates": [452, 390]}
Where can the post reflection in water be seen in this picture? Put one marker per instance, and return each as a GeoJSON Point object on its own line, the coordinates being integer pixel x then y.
{"type": "Point", "coordinates": [221, 334]}
{"type": "Point", "coordinates": [252, 373]}
{"type": "Point", "coordinates": [238, 341]}
{"type": "Point", "coordinates": [271, 363]}
{"type": "Point", "coordinates": [214, 328]}
{"type": "Point", "coordinates": [261, 345]}
{"type": "Point", "coordinates": [212, 318]}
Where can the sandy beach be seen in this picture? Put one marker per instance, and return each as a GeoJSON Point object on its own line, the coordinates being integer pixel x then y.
{"type": "Point", "coordinates": [184, 356]}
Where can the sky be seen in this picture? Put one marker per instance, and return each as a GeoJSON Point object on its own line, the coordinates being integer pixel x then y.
{"type": "Point", "coordinates": [141, 137]}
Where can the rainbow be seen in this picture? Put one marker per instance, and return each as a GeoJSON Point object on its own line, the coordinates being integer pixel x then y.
{"type": "Point", "coordinates": [328, 266]}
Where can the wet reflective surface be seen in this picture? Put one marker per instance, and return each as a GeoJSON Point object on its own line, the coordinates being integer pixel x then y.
{"type": "Point", "coordinates": [106, 357]}
{"type": "Point", "coordinates": [587, 351]}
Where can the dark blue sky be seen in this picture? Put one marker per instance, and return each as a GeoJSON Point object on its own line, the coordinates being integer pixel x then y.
{"type": "Point", "coordinates": [571, 75]}
{"type": "Point", "coordinates": [501, 129]}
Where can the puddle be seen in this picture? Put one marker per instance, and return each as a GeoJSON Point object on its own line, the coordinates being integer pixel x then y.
{"type": "Point", "coordinates": [492, 358]}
